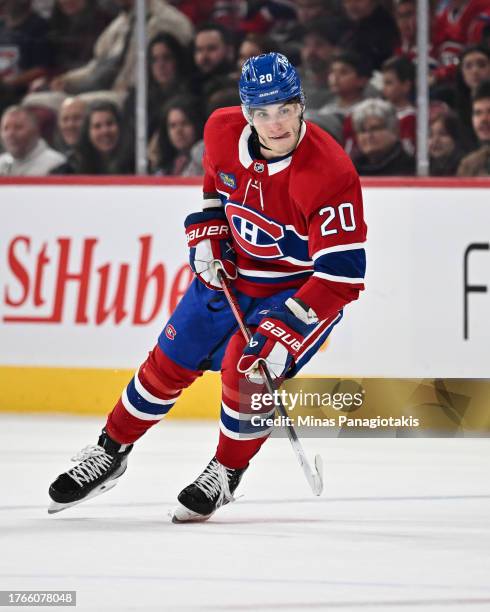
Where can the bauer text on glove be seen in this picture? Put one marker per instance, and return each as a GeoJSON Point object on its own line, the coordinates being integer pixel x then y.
{"type": "Point", "coordinates": [208, 238]}
{"type": "Point", "coordinates": [277, 341]}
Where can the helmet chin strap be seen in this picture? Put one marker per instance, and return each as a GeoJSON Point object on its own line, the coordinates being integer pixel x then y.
{"type": "Point", "coordinates": [262, 145]}
{"type": "Point", "coordinates": [299, 131]}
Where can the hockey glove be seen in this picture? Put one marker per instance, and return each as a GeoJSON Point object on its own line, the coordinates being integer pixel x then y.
{"type": "Point", "coordinates": [278, 340]}
{"type": "Point", "coordinates": [209, 241]}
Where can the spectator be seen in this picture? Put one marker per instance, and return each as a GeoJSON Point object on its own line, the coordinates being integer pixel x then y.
{"type": "Point", "coordinates": [70, 121]}
{"type": "Point", "coordinates": [474, 68]}
{"type": "Point", "coordinates": [398, 75]}
{"type": "Point", "coordinates": [398, 88]}
{"type": "Point", "coordinates": [372, 30]}
{"type": "Point", "coordinates": [101, 148]}
{"type": "Point", "coordinates": [478, 162]}
{"type": "Point", "coordinates": [254, 44]}
{"type": "Point", "coordinates": [348, 77]}
{"type": "Point", "coordinates": [168, 73]}
{"type": "Point", "coordinates": [213, 55]}
{"type": "Point", "coordinates": [376, 131]}
{"type": "Point", "coordinates": [113, 64]}
{"type": "Point", "coordinates": [258, 16]}
{"type": "Point", "coordinates": [319, 44]}
{"type": "Point", "coordinates": [457, 24]}
{"type": "Point", "coordinates": [445, 151]}
{"type": "Point", "coordinates": [277, 18]}
{"type": "Point", "coordinates": [406, 19]}
{"type": "Point", "coordinates": [176, 149]}
{"type": "Point", "coordinates": [312, 10]}
{"type": "Point", "coordinates": [74, 27]}
{"type": "Point", "coordinates": [43, 7]}
{"type": "Point", "coordinates": [24, 53]}
{"type": "Point", "coordinates": [26, 153]}
{"type": "Point", "coordinates": [348, 81]}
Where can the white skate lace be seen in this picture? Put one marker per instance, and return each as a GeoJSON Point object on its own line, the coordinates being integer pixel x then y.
{"type": "Point", "coordinates": [214, 481]}
{"type": "Point", "coordinates": [94, 462]}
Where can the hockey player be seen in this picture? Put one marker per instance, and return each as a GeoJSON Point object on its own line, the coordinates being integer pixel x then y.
{"type": "Point", "coordinates": [282, 214]}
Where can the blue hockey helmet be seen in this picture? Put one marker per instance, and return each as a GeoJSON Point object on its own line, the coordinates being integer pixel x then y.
{"type": "Point", "coordinates": [268, 79]}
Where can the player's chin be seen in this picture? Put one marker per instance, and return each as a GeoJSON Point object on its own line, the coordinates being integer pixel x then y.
{"type": "Point", "coordinates": [281, 146]}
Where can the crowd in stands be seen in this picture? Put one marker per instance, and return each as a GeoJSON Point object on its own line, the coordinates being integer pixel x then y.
{"type": "Point", "coordinates": [68, 97]}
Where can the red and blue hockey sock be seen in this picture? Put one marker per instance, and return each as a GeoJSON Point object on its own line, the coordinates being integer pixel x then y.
{"type": "Point", "coordinates": [149, 396]}
{"type": "Point", "coordinates": [241, 435]}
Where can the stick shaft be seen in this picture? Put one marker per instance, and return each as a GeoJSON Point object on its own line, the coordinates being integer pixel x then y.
{"type": "Point", "coordinates": [313, 477]}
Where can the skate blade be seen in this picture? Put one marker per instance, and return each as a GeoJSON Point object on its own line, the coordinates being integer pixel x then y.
{"type": "Point", "coordinates": [56, 507]}
{"type": "Point", "coordinates": [181, 514]}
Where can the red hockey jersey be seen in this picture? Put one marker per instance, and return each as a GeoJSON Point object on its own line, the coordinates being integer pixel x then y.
{"type": "Point", "coordinates": [458, 26]}
{"type": "Point", "coordinates": [296, 222]}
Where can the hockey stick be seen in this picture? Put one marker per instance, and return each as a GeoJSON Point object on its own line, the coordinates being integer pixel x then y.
{"type": "Point", "coordinates": [314, 477]}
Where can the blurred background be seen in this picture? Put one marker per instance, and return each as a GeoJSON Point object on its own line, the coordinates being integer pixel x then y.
{"type": "Point", "coordinates": [80, 69]}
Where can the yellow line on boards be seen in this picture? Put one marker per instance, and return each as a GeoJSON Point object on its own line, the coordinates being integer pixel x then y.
{"type": "Point", "coordinates": [93, 391]}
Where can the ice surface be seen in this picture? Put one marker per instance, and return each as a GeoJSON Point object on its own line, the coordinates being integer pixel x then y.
{"type": "Point", "coordinates": [403, 524]}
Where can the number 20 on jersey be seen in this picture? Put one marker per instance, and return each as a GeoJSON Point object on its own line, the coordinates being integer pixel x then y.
{"type": "Point", "coordinates": [345, 213]}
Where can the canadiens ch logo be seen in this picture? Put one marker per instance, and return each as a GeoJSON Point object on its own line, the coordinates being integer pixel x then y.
{"type": "Point", "coordinates": [170, 331]}
{"type": "Point", "coordinates": [255, 234]}
{"type": "Point", "coordinates": [259, 167]}
{"type": "Point", "coordinates": [228, 179]}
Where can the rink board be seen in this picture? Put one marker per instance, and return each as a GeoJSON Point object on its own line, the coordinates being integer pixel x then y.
{"type": "Point", "coordinates": [90, 271]}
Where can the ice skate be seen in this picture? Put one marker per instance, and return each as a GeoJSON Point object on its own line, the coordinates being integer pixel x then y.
{"type": "Point", "coordinates": [211, 490]}
{"type": "Point", "coordinates": [99, 467]}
